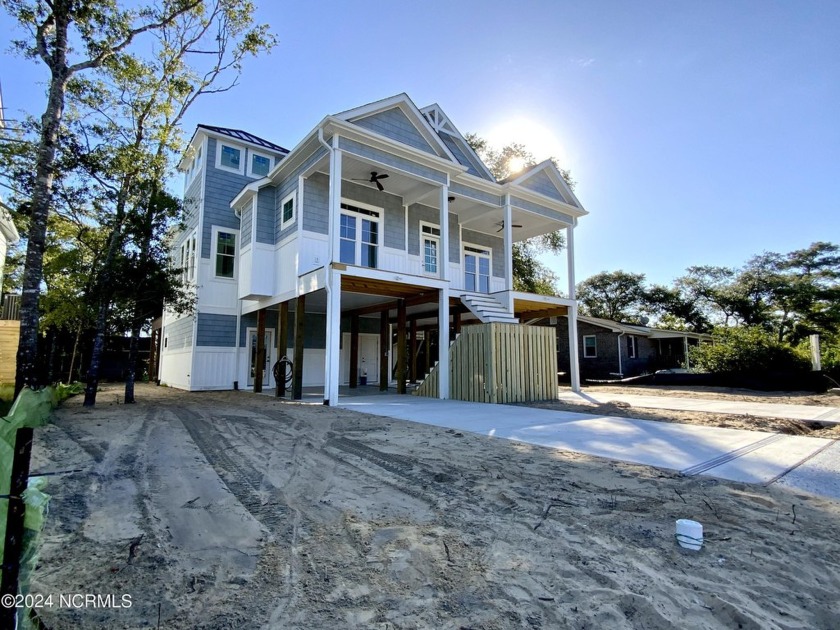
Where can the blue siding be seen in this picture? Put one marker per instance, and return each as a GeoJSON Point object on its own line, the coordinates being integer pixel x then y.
{"type": "Point", "coordinates": [178, 334]}
{"type": "Point", "coordinates": [463, 156]}
{"type": "Point", "coordinates": [220, 189]}
{"type": "Point", "coordinates": [417, 213]}
{"type": "Point", "coordinates": [472, 193]}
{"type": "Point", "coordinates": [192, 203]}
{"type": "Point", "coordinates": [316, 204]}
{"type": "Point", "coordinates": [245, 226]}
{"type": "Point", "coordinates": [265, 215]}
{"type": "Point", "coordinates": [540, 209]}
{"type": "Point", "coordinates": [315, 223]}
{"type": "Point", "coordinates": [351, 146]}
{"type": "Point", "coordinates": [216, 330]}
{"type": "Point", "coordinates": [454, 239]}
{"type": "Point", "coordinates": [496, 245]}
{"type": "Point", "coordinates": [394, 124]}
{"type": "Point", "coordinates": [542, 184]}
{"type": "Point", "coordinates": [393, 212]}
{"type": "Point", "coordinates": [315, 329]}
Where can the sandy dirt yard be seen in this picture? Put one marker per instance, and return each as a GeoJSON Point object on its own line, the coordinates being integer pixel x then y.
{"type": "Point", "coordinates": [230, 510]}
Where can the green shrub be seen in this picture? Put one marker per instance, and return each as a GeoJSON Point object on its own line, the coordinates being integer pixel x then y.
{"type": "Point", "coordinates": [747, 350]}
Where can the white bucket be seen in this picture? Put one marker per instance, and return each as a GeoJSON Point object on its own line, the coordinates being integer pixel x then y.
{"type": "Point", "coordinates": [689, 534]}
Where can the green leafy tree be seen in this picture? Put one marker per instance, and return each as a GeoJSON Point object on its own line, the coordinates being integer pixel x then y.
{"type": "Point", "coordinates": [529, 274]}
{"type": "Point", "coordinates": [614, 295]}
{"type": "Point", "coordinates": [69, 37]}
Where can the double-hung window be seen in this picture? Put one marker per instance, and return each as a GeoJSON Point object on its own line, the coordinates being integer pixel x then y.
{"type": "Point", "coordinates": [476, 269]}
{"type": "Point", "coordinates": [225, 254]}
{"type": "Point", "coordinates": [287, 211]}
{"type": "Point", "coordinates": [590, 347]}
{"type": "Point", "coordinates": [631, 346]}
{"type": "Point", "coordinates": [188, 259]}
{"type": "Point", "coordinates": [359, 230]}
{"type": "Point", "coordinates": [430, 247]}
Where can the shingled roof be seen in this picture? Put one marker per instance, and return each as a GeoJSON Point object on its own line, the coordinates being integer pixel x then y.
{"type": "Point", "coordinates": [244, 136]}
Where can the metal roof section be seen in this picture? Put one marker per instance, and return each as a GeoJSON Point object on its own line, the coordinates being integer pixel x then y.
{"type": "Point", "coordinates": [244, 136]}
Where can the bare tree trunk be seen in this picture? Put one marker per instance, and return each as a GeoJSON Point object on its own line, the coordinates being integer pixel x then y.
{"type": "Point", "coordinates": [73, 356]}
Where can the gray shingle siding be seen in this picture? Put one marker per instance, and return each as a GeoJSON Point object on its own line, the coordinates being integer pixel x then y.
{"type": "Point", "coordinates": [313, 205]}
{"type": "Point", "coordinates": [394, 214]}
{"type": "Point", "coordinates": [315, 329]}
{"type": "Point", "coordinates": [542, 184]}
{"type": "Point", "coordinates": [454, 239]}
{"type": "Point", "coordinates": [417, 213]}
{"type": "Point", "coordinates": [265, 215]}
{"type": "Point", "coordinates": [394, 124]}
{"type": "Point", "coordinates": [496, 245]}
{"type": "Point", "coordinates": [539, 209]}
{"type": "Point", "coordinates": [192, 203]}
{"type": "Point", "coordinates": [220, 189]}
{"type": "Point", "coordinates": [245, 226]}
{"type": "Point", "coordinates": [216, 330]}
{"type": "Point", "coordinates": [472, 193]}
{"type": "Point", "coordinates": [316, 204]}
{"type": "Point", "coordinates": [463, 156]}
{"type": "Point", "coordinates": [178, 334]}
{"type": "Point", "coordinates": [351, 146]}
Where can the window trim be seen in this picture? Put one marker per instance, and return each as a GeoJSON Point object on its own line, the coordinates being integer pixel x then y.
{"type": "Point", "coordinates": [293, 197]}
{"type": "Point", "coordinates": [431, 236]}
{"type": "Point", "coordinates": [219, 145]}
{"type": "Point", "coordinates": [479, 251]}
{"type": "Point", "coordinates": [371, 213]}
{"type": "Point", "coordinates": [595, 348]}
{"type": "Point", "coordinates": [251, 155]}
{"type": "Point", "coordinates": [632, 344]}
{"type": "Point", "coordinates": [214, 251]}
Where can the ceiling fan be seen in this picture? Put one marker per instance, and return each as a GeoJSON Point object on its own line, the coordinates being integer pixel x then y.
{"type": "Point", "coordinates": [374, 179]}
{"type": "Point", "coordinates": [501, 225]}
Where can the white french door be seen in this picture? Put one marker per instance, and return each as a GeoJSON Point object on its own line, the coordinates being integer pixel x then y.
{"type": "Point", "coordinates": [476, 269]}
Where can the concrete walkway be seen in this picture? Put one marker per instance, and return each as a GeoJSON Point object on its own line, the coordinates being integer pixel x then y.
{"type": "Point", "coordinates": [735, 454]}
{"type": "Point", "coordinates": [760, 410]}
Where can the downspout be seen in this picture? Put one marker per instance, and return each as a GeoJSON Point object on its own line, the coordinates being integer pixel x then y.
{"type": "Point", "coordinates": [618, 340]}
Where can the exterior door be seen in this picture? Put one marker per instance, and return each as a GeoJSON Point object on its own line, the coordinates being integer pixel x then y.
{"type": "Point", "coordinates": [476, 269]}
{"type": "Point", "coordinates": [270, 351]}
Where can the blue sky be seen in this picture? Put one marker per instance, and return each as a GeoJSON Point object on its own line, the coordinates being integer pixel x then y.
{"type": "Point", "coordinates": [699, 133]}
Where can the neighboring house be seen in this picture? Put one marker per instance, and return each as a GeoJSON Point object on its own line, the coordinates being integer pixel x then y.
{"type": "Point", "coordinates": [379, 224]}
{"type": "Point", "coordinates": [610, 350]}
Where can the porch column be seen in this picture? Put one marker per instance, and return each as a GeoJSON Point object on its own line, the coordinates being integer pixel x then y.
{"type": "Point", "coordinates": [413, 344]}
{"type": "Point", "coordinates": [401, 362]}
{"type": "Point", "coordinates": [297, 368]}
{"type": "Point", "coordinates": [383, 351]}
{"type": "Point", "coordinates": [574, 366]}
{"type": "Point", "coordinates": [335, 202]}
{"type": "Point", "coordinates": [444, 232]}
{"type": "Point", "coordinates": [282, 342]}
{"type": "Point", "coordinates": [508, 234]}
{"type": "Point", "coordinates": [443, 343]}
{"type": "Point", "coordinates": [354, 351]}
{"type": "Point", "coordinates": [333, 341]}
{"type": "Point", "coordinates": [259, 360]}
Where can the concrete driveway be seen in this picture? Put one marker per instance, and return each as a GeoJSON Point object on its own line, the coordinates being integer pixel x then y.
{"type": "Point", "coordinates": [734, 454]}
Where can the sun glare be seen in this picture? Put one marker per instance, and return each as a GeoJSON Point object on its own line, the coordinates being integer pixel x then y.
{"type": "Point", "coordinates": [541, 141]}
{"type": "Point", "coordinates": [516, 164]}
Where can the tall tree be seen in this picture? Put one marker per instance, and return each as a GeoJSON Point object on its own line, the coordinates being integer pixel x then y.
{"type": "Point", "coordinates": [98, 31]}
{"type": "Point", "coordinates": [529, 274]}
{"type": "Point", "coordinates": [615, 295]}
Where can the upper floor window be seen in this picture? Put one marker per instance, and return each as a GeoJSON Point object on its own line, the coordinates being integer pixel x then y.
{"type": "Point", "coordinates": [359, 235]}
{"type": "Point", "coordinates": [429, 246]}
{"type": "Point", "coordinates": [590, 347]}
{"type": "Point", "coordinates": [287, 211]}
{"type": "Point", "coordinates": [229, 158]}
{"type": "Point", "coordinates": [259, 164]}
{"type": "Point", "coordinates": [188, 248]}
{"type": "Point", "coordinates": [225, 254]}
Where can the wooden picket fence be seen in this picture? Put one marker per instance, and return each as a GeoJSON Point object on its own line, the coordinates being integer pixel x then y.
{"type": "Point", "coordinates": [499, 363]}
{"type": "Point", "coordinates": [9, 333]}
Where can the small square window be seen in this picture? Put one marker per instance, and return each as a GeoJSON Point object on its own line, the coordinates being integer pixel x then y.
{"type": "Point", "coordinates": [287, 211]}
{"type": "Point", "coordinates": [230, 158]}
{"type": "Point", "coordinates": [260, 164]}
{"type": "Point", "coordinates": [590, 347]}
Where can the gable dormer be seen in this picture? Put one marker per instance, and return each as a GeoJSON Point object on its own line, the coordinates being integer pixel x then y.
{"type": "Point", "coordinates": [455, 142]}
{"type": "Point", "coordinates": [546, 180]}
{"type": "Point", "coordinates": [399, 119]}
